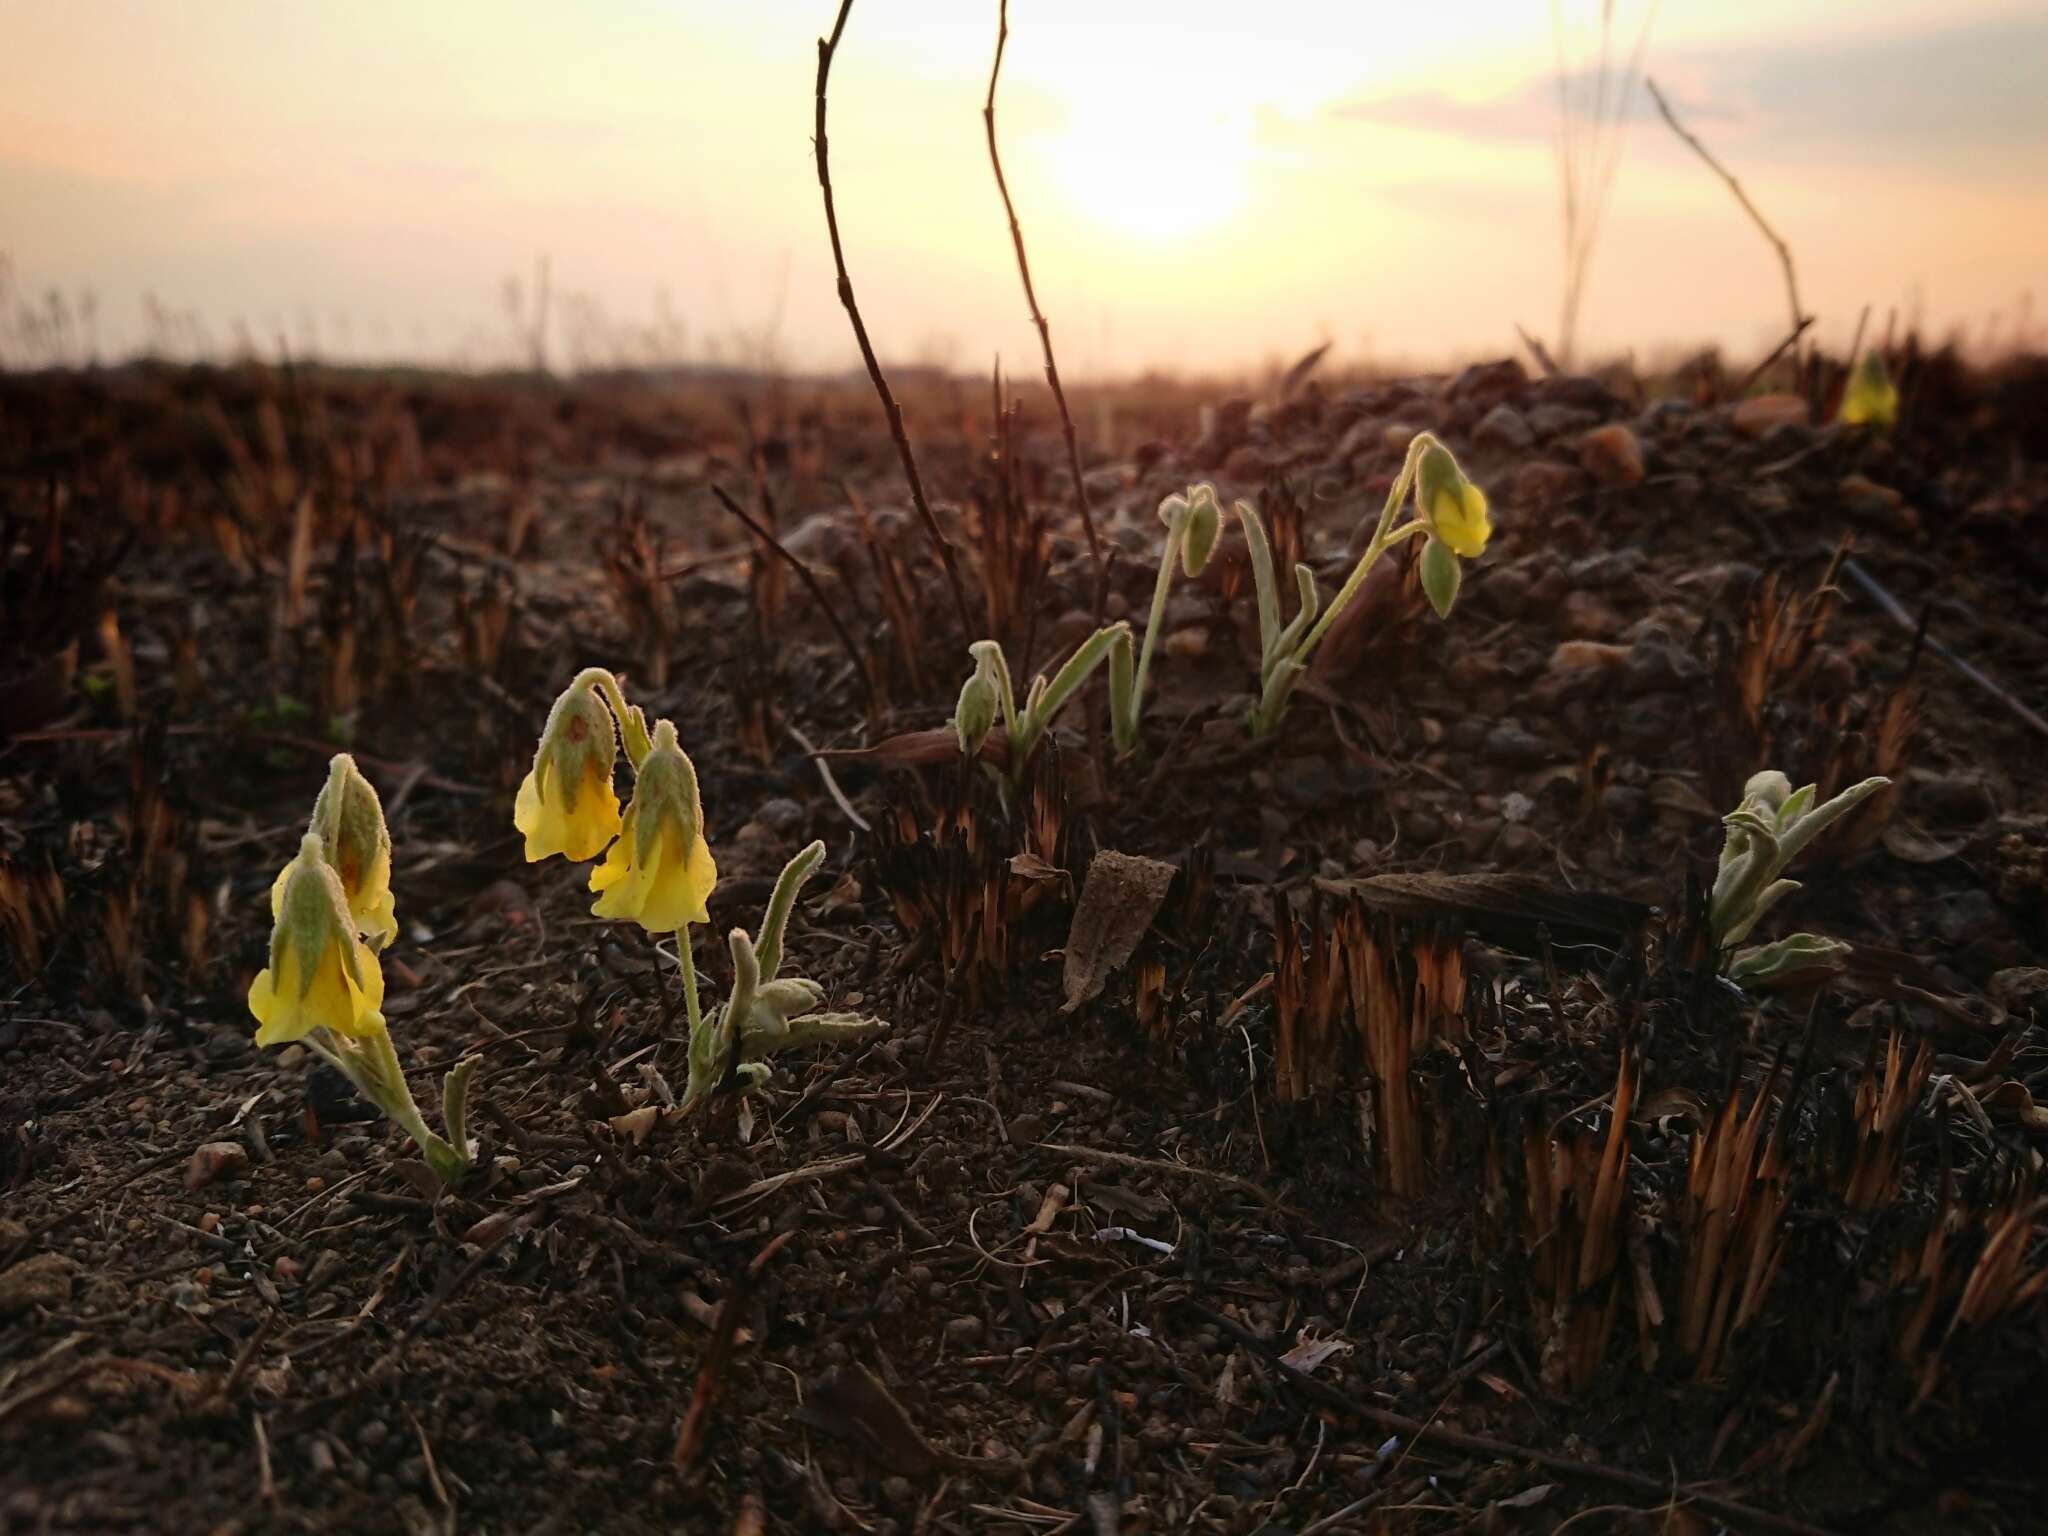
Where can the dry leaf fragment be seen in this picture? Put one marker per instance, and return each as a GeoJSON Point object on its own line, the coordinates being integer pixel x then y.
{"type": "Point", "coordinates": [1310, 1351]}
{"type": "Point", "coordinates": [1910, 845]}
{"type": "Point", "coordinates": [1118, 901]}
{"type": "Point", "coordinates": [852, 1405]}
{"type": "Point", "coordinates": [635, 1124]}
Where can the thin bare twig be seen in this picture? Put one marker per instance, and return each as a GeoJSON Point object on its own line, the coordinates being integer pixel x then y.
{"type": "Point", "coordinates": [1540, 352]}
{"type": "Point", "coordinates": [809, 578]}
{"type": "Point", "coordinates": [826, 47]}
{"type": "Point", "coordinates": [1165, 1166]}
{"type": "Point", "coordinates": [831, 784]}
{"type": "Point", "coordinates": [1052, 372]}
{"type": "Point", "coordinates": [710, 1374]}
{"type": "Point", "coordinates": [1799, 317]}
{"type": "Point", "coordinates": [1896, 612]}
{"type": "Point", "coordinates": [1777, 352]}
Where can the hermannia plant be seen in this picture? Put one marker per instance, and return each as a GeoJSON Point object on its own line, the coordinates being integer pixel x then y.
{"type": "Point", "coordinates": [657, 870]}
{"type": "Point", "coordinates": [324, 987]}
{"type": "Point", "coordinates": [1450, 516]}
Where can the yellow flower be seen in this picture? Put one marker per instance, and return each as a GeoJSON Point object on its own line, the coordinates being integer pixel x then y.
{"type": "Point", "coordinates": [566, 803]}
{"type": "Point", "coordinates": [320, 973]}
{"type": "Point", "coordinates": [660, 871]}
{"type": "Point", "coordinates": [1452, 506]}
{"type": "Point", "coordinates": [348, 818]}
{"type": "Point", "coordinates": [1871, 399]}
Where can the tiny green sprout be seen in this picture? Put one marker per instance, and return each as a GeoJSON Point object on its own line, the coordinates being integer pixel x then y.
{"type": "Point", "coordinates": [1870, 398]}
{"type": "Point", "coordinates": [1450, 513]}
{"type": "Point", "coordinates": [1047, 697]}
{"type": "Point", "coordinates": [1766, 832]}
{"type": "Point", "coordinates": [766, 1013]}
{"type": "Point", "coordinates": [1193, 522]}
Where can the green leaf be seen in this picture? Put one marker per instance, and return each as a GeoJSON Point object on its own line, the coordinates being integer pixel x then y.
{"type": "Point", "coordinates": [1441, 576]}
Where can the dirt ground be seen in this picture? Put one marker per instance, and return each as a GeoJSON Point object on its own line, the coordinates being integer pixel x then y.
{"type": "Point", "coordinates": [1153, 1264]}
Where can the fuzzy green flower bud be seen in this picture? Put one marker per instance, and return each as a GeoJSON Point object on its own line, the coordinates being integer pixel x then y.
{"type": "Point", "coordinates": [1452, 506]}
{"type": "Point", "coordinates": [1871, 399]}
{"type": "Point", "coordinates": [1204, 522]}
{"type": "Point", "coordinates": [348, 818]}
{"type": "Point", "coordinates": [980, 697]}
{"type": "Point", "coordinates": [566, 803]}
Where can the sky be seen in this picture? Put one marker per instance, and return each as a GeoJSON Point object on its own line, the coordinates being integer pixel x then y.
{"type": "Point", "coordinates": [1205, 185]}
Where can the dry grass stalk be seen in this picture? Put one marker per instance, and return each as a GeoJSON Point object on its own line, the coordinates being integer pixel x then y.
{"type": "Point", "coordinates": [767, 599]}
{"type": "Point", "coordinates": [192, 937]}
{"type": "Point", "coordinates": [1980, 1287]}
{"type": "Point", "coordinates": [1878, 1117]}
{"type": "Point", "coordinates": [767, 577]}
{"type": "Point", "coordinates": [1398, 1010]}
{"type": "Point", "coordinates": [893, 586]}
{"type": "Point", "coordinates": [1732, 1227]}
{"type": "Point", "coordinates": [31, 914]}
{"type": "Point", "coordinates": [954, 885]}
{"type": "Point", "coordinates": [120, 659]}
{"type": "Point", "coordinates": [1781, 637]}
{"type": "Point", "coordinates": [1304, 1005]}
{"type": "Point", "coordinates": [1148, 996]}
{"type": "Point", "coordinates": [1592, 111]}
{"type": "Point", "coordinates": [1184, 927]}
{"type": "Point", "coordinates": [1012, 540]}
{"type": "Point", "coordinates": [485, 618]}
{"type": "Point", "coordinates": [632, 561]}
{"type": "Point", "coordinates": [1398, 1001]}
{"type": "Point", "coordinates": [1887, 750]}
{"type": "Point", "coordinates": [1574, 1186]}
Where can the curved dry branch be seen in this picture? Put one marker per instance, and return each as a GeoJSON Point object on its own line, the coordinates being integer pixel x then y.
{"type": "Point", "coordinates": [826, 47]}
{"type": "Point", "coordinates": [1052, 371]}
{"type": "Point", "coordinates": [1799, 315]}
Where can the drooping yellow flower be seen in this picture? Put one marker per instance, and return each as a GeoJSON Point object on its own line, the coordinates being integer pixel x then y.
{"type": "Point", "coordinates": [659, 873]}
{"type": "Point", "coordinates": [1452, 506]}
{"type": "Point", "coordinates": [566, 803]}
{"type": "Point", "coordinates": [1871, 399]}
{"type": "Point", "coordinates": [348, 818]}
{"type": "Point", "coordinates": [320, 973]}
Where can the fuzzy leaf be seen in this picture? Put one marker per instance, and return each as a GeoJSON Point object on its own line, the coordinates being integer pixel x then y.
{"type": "Point", "coordinates": [1441, 576]}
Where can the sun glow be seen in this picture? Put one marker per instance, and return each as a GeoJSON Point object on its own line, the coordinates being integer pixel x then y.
{"type": "Point", "coordinates": [1150, 172]}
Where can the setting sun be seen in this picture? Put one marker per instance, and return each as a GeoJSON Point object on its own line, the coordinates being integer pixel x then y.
{"type": "Point", "coordinates": [1153, 172]}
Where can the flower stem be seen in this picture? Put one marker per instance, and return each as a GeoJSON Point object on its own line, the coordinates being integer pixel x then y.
{"type": "Point", "coordinates": [1395, 496]}
{"type": "Point", "coordinates": [1127, 729]}
{"type": "Point", "coordinates": [372, 1066]}
{"type": "Point", "coordinates": [632, 725]}
{"type": "Point", "coordinates": [688, 964]}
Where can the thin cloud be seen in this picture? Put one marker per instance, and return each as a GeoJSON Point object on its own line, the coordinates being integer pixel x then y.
{"type": "Point", "coordinates": [1963, 97]}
